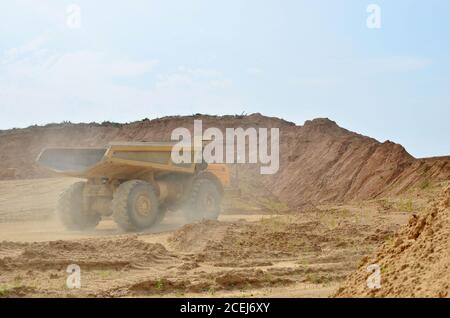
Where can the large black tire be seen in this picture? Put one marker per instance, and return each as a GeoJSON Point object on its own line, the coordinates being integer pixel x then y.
{"type": "Point", "coordinates": [71, 211]}
{"type": "Point", "coordinates": [203, 202]}
{"type": "Point", "coordinates": [135, 205]}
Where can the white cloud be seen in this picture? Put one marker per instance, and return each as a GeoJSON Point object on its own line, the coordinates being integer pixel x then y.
{"type": "Point", "coordinates": [195, 91]}
{"type": "Point", "coordinates": [32, 46]}
{"type": "Point", "coordinates": [38, 85]}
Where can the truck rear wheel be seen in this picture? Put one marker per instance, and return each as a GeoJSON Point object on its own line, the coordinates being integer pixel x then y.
{"type": "Point", "coordinates": [203, 202]}
{"type": "Point", "coordinates": [135, 205]}
{"type": "Point", "coordinates": [71, 209]}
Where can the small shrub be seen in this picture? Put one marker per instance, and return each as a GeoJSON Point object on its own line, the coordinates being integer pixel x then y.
{"type": "Point", "coordinates": [159, 285]}
{"type": "Point", "coordinates": [406, 205]}
{"type": "Point", "coordinates": [104, 274]}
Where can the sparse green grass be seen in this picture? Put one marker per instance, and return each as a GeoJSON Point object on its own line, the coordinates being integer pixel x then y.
{"type": "Point", "coordinates": [7, 290]}
{"type": "Point", "coordinates": [389, 241]}
{"type": "Point", "coordinates": [4, 291]}
{"type": "Point", "coordinates": [18, 279]}
{"type": "Point", "coordinates": [405, 205]}
{"type": "Point", "coordinates": [211, 291]}
{"type": "Point", "coordinates": [331, 222]}
{"type": "Point", "coordinates": [159, 284]}
{"type": "Point", "coordinates": [104, 274]}
{"type": "Point", "coordinates": [425, 184]}
{"type": "Point", "coordinates": [241, 204]}
{"type": "Point", "coordinates": [276, 224]}
{"type": "Point", "coordinates": [317, 278]}
{"type": "Point", "coordinates": [332, 217]}
{"type": "Point", "coordinates": [179, 293]}
{"type": "Point", "coordinates": [275, 206]}
{"type": "Point", "coordinates": [385, 205]}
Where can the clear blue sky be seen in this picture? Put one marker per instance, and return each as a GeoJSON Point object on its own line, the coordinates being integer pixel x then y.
{"type": "Point", "coordinates": [297, 59]}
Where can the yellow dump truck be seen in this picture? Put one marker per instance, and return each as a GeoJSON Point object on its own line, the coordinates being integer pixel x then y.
{"type": "Point", "coordinates": [136, 183]}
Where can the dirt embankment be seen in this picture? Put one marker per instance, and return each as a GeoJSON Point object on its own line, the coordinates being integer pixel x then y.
{"type": "Point", "coordinates": [319, 161]}
{"type": "Point", "coordinates": [302, 255]}
{"type": "Point", "coordinates": [100, 254]}
{"type": "Point", "coordinates": [415, 262]}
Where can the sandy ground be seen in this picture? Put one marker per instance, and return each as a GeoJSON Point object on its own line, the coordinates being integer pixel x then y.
{"type": "Point", "coordinates": [249, 252]}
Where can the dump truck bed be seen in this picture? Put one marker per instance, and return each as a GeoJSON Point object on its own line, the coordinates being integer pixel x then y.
{"type": "Point", "coordinates": [113, 161]}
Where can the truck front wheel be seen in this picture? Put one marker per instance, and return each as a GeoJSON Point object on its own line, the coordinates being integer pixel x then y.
{"type": "Point", "coordinates": [71, 209]}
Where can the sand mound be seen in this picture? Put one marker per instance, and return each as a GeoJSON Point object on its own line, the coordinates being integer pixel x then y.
{"type": "Point", "coordinates": [196, 237]}
{"type": "Point", "coordinates": [102, 254]}
{"type": "Point", "coordinates": [244, 244]}
{"type": "Point", "coordinates": [416, 263]}
{"type": "Point", "coordinates": [235, 279]}
{"type": "Point", "coordinates": [231, 242]}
